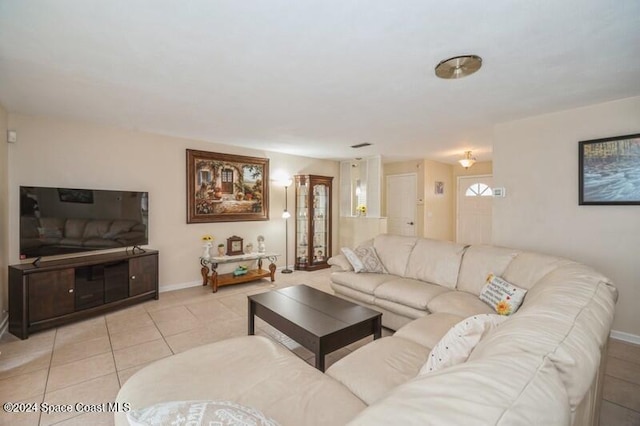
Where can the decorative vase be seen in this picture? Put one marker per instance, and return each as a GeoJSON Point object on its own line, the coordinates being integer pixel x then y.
{"type": "Point", "coordinates": [220, 250]}
{"type": "Point", "coordinates": [206, 254]}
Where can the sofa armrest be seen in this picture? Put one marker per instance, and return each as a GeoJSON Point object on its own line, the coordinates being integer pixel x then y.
{"type": "Point", "coordinates": [339, 263]}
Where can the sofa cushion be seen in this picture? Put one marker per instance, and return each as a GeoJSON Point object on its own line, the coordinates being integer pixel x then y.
{"type": "Point", "coordinates": [373, 370]}
{"type": "Point", "coordinates": [459, 303]}
{"type": "Point", "coordinates": [365, 282]}
{"type": "Point", "coordinates": [198, 413]}
{"type": "Point", "coordinates": [458, 343]}
{"type": "Point", "coordinates": [394, 251]}
{"type": "Point", "coordinates": [51, 223]}
{"type": "Point", "coordinates": [501, 295]}
{"type": "Point", "coordinates": [96, 228]}
{"type": "Point", "coordinates": [353, 295]}
{"type": "Point", "coordinates": [480, 261]}
{"type": "Point", "coordinates": [250, 370]}
{"type": "Point", "coordinates": [406, 291]}
{"type": "Point", "coordinates": [364, 259]}
{"type": "Point", "coordinates": [120, 226]}
{"type": "Point", "coordinates": [436, 262]}
{"type": "Point", "coordinates": [501, 391]}
{"type": "Point", "coordinates": [74, 228]}
{"type": "Point", "coordinates": [400, 309]}
{"type": "Point", "coordinates": [340, 263]}
{"type": "Point", "coordinates": [429, 329]}
{"type": "Point", "coordinates": [528, 268]}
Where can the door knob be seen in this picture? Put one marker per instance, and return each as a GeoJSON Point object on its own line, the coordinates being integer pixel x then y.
{"type": "Point", "coordinates": [133, 277]}
{"type": "Point", "coordinates": [70, 290]}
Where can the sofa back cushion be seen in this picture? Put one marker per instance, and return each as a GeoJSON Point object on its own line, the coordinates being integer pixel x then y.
{"type": "Point", "coordinates": [96, 228]}
{"type": "Point", "coordinates": [435, 261]}
{"type": "Point", "coordinates": [528, 268]}
{"type": "Point", "coordinates": [74, 228]}
{"type": "Point", "coordinates": [394, 251]}
{"type": "Point", "coordinates": [480, 261]}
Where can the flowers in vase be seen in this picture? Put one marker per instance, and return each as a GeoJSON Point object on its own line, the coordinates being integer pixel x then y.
{"type": "Point", "coordinates": [207, 240]}
{"type": "Point", "coordinates": [362, 210]}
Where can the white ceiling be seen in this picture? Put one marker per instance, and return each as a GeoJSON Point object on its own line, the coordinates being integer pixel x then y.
{"type": "Point", "coordinates": [314, 77]}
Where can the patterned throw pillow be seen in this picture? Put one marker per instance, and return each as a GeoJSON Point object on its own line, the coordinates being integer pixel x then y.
{"type": "Point", "coordinates": [364, 259]}
{"type": "Point", "coordinates": [456, 346]}
{"type": "Point", "coordinates": [501, 295]}
{"type": "Point", "coordinates": [197, 413]}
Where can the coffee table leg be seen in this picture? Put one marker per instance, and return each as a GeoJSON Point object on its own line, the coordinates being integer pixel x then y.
{"type": "Point", "coordinates": [377, 328]}
{"type": "Point", "coordinates": [320, 359]}
{"type": "Point", "coordinates": [252, 318]}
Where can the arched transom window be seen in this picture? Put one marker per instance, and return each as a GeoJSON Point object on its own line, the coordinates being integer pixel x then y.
{"type": "Point", "coordinates": [478, 190]}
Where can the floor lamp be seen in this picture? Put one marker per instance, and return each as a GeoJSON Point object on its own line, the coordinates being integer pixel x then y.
{"type": "Point", "coordinates": [286, 215]}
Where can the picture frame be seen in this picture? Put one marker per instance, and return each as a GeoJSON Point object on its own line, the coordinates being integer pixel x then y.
{"type": "Point", "coordinates": [226, 187]}
{"type": "Point", "coordinates": [84, 196]}
{"type": "Point", "coordinates": [608, 171]}
{"type": "Point", "coordinates": [438, 188]}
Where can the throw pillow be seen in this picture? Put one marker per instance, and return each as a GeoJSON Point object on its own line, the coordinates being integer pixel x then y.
{"type": "Point", "coordinates": [364, 259]}
{"type": "Point", "coordinates": [196, 413]}
{"type": "Point", "coordinates": [456, 346]}
{"type": "Point", "coordinates": [501, 295]}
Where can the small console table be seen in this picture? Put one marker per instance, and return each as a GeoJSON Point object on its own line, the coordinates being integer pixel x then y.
{"type": "Point", "coordinates": [210, 266]}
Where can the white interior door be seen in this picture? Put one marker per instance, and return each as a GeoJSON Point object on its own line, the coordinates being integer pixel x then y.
{"type": "Point", "coordinates": [401, 204]}
{"type": "Point", "coordinates": [475, 208]}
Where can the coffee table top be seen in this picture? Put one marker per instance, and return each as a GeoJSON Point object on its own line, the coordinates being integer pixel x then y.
{"type": "Point", "coordinates": [316, 311]}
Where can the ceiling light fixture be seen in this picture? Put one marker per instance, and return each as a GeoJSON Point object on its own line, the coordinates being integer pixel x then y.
{"type": "Point", "coordinates": [361, 145]}
{"type": "Point", "coordinates": [468, 160]}
{"type": "Point", "coordinates": [458, 66]}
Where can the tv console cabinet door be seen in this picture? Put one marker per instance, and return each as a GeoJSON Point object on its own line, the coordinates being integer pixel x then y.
{"type": "Point", "coordinates": [143, 275]}
{"type": "Point", "coordinates": [51, 294]}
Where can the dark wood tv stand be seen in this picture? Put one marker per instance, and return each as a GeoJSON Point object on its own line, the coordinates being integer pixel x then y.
{"type": "Point", "coordinates": [57, 292]}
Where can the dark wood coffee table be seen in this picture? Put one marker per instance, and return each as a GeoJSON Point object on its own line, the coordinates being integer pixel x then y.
{"type": "Point", "coordinates": [316, 320]}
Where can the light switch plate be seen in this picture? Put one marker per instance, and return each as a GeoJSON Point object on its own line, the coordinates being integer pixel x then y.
{"type": "Point", "coordinates": [499, 192]}
{"type": "Point", "coordinates": [12, 136]}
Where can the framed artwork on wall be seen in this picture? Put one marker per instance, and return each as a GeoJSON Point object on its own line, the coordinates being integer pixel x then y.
{"type": "Point", "coordinates": [226, 188]}
{"type": "Point", "coordinates": [609, 171]}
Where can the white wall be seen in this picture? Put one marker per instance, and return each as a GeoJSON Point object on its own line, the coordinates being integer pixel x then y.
{"type": "Point", "coordinates": [536, 160]}
{"type": "Point", "coordinates": [53, 152]}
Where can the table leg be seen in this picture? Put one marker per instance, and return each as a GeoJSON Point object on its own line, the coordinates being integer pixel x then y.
{"type": "Point", "coordinates": [377, 327]}
{"type": "Point", "coordinates": [320, 359]}
{"type": "Point", "coordinates": [205, 275]}
{"type": "Point", "coordinates": [214, 280]}
{"type": "Point", "coordinates": [252, 318]}
{"type": "Point", "coordinates": [272, 269]}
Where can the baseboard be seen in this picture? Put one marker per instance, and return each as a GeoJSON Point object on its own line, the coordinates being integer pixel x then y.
{"type": "Point", "coordinates": [626, 337]}
{"type": "Point", "coordinates": [180, 286]}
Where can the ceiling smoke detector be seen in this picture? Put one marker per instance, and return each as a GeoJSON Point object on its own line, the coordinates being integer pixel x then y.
{"type": "Point", "coordinates": [458, 66]}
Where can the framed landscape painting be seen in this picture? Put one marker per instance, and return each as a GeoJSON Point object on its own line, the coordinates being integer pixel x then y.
{"type": "Point", "coordinates": [610, 171]}
{"type": "Point", "coordinates": [226, 188]}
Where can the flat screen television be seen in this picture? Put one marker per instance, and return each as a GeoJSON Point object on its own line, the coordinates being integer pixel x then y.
{"type": "Point", "coordinates": [55, 221]}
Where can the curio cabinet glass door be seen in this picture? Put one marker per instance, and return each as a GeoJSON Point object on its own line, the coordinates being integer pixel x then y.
{"type": "Point", "coordinates": [313, 222]}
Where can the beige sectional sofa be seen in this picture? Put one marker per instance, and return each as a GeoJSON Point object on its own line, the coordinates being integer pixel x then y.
{"type": "Point", "coordinates": [542, 366]}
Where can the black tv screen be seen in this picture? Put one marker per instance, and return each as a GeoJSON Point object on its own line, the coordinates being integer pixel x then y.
{"type": "Point", "coordinates": [56, 221]}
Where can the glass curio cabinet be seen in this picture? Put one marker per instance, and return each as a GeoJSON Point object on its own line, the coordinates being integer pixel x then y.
{"type": "Point", "coordinates": [313, 222]}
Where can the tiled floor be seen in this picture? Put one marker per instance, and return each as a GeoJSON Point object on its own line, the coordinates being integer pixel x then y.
{"type": "Point", "coordinates": [88, 361]}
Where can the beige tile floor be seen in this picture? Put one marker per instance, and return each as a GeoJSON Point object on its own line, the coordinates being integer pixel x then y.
{"type": "Point", "coordinates": [88, 361]}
